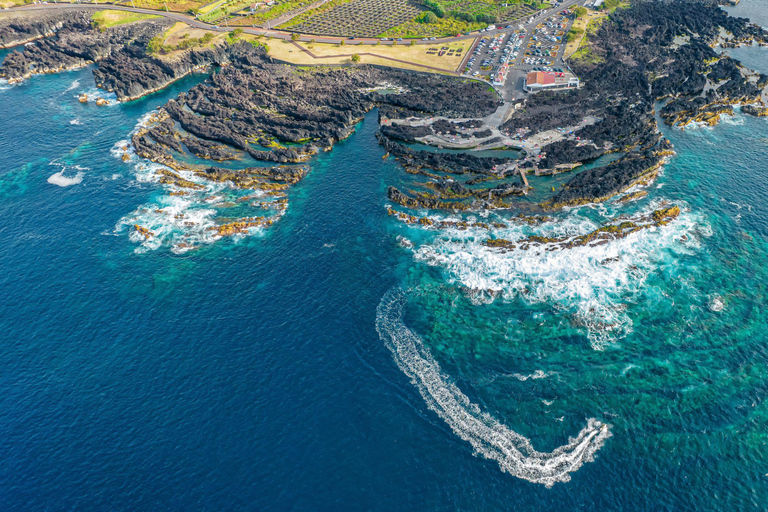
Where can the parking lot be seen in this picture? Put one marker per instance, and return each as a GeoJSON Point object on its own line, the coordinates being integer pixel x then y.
{"type": "Point", "coordinates": [494, 51]}
{"type": "Point", "coordinates": [544, 48]}
{"type": "Point", "coordinates": [535, 44]}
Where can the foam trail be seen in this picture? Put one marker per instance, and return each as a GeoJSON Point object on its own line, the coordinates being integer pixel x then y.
{"type": "Point", "coordinates": [487, 435]}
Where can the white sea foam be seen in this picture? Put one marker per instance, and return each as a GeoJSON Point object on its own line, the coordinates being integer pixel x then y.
{"type": "Point", "coordinates": [538, 374]}
{"type": "Point", "coordinates": [489, 437]}
{"type": "Point", "coordinates": [75, 122]}
{"type": "Point", "coordinates": [180, 218]}
{"type": "Point", "coordinates": [590, 282]}
{"type": "Point", "coordinates": [716, 303]}
{"type": "Point", "coordinates": [65, 181]}
{"type": "Point", "coordinates": [74, 85]}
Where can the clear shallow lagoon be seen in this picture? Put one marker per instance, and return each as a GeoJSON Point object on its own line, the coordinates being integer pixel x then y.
{"type": "Point", "coordinates": [250, 375]}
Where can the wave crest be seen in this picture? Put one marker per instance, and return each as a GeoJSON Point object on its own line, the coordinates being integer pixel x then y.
{"type": "Point", "coordinates": [489, 438]}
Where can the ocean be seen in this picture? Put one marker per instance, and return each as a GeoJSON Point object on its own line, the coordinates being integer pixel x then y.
{"type": "Point", "coordinates": [338, 359]}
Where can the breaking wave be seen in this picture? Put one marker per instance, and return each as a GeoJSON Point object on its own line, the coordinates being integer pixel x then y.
{"type": "Point", "coordinates": [65, 181]}
{"type": "Point", "coordinates": [592, 282]}
{"type": "Point", "coordinates": [61, 180]}
{"type": "Point", "coordinates": [489, 438]}
{"type": "Point", "coordinates": [187, 218]}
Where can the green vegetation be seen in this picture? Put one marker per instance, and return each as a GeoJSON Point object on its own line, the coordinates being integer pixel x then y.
{"type": "Point", "coordinates": [223, 10]}
{"type": "Point", "coordinates": [103, 20]}
{"type": "Point", "coordinates": [355, 58]}
{"type": "Point", "coordinates": [574, 34]}
{"type": "Point", "coordinates": [451, 17]}
{"type": "Point", "coordinates": [268, 13]}
{"type": "Point", "coordinates": [443, 27]}
{"type": "Point", "coordinates": [157, 44]}
{"type": "Point", "coordinates": [235, 35]}
{"type": "Point", "coordinates": [584, 53]}
{"type": "Point", "coordinates": [160, 5]}
{"type": "Point", "coordinates": [483, 11]}
{"type": "Point", "coordinates": [580, 11]}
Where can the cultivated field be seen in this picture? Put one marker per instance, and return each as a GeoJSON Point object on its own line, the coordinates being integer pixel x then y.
{"type": "Point", "coordinates": [264, 14]}
{"type": "Point", "coordinates": [358, 18]}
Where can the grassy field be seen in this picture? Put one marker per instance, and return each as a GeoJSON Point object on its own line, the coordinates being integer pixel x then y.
{"type": "Point", "coordinates": [414, 57]}
{"type": "Point", "coordinates": [578, 37]}
{"type": "Point", "coordinates": [11, 3]}
{"type": "Point", "coordinates": [583, 52]}
{"type": "Point", "coordinates": [173, 5]}
{"type": "Point", "coordinates": [578, 30]}
{"type": "Point", "coordinates": [107, 19]}
{"type": "Point", "coordinates": [211, 6]}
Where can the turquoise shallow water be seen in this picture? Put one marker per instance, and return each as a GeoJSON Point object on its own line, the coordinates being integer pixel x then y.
{"type": "Point", "coordinates": [249, 374]}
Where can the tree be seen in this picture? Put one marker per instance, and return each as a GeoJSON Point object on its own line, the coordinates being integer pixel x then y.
{"type": "Point", "coordinates": [356, 58]}
{"type": "Point", "coordinates": [341, 43]}
{"type": "Point", "coordinates": [155, 44]}
{"type": "Point", "coordinates": [428, 17]}
{"type": "Point", "coordinates": [295, 36]}
{"type": "Point", "coordinates": [413, 42]}
{"type": "Point", "coordinates": [579, 12]}
{"type": "Point", "coordinates": [235, 34]}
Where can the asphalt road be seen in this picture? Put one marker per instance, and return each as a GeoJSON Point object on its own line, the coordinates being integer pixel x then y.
{"type": "Point", "coordinates": [277, 34]}
{"type": "Point", "coordinates": [190, 20]}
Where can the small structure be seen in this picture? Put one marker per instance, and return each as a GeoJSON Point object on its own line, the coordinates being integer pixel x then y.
{"type": "Point", "coordinates": [596, 4]}
{"type": "Point", "coordinates": [543, 80]}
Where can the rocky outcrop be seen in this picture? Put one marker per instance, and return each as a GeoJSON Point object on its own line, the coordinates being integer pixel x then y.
{"type": "Point", "coordinates": [634, 61]}
{"type": "Point", "coordinates": [73, 43]}
{"type": "Point", "coordinates": [599, 236]}
{"type": "Point", "coordinates": [20, 28]}
{"type": "Point", "coordinates": [602, 183]}
{"type": "Point", "coordinates": [132, 73]}
{"type": "Point", "coordinates": [454, 162]}
{"type": "Point", "coordinates": [755, 110]}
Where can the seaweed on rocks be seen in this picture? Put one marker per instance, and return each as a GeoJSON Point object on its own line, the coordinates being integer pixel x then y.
{"type": "Point", "coordinates": [602, 183]}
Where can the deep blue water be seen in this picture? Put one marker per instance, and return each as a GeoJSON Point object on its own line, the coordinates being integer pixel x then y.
{"type": "Point", "coordinates": [250, 375]}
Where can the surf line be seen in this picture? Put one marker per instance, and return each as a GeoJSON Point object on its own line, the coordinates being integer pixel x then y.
{"type": "Point", "coordinates": [489, 437]}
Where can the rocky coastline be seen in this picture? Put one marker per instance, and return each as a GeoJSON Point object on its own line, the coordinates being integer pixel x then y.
{"type": "Point", "coordinates": [66, 40]}
{"type": "Point", "coordinates": [653, 60]}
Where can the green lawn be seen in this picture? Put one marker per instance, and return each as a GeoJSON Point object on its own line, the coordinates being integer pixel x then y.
{"type": "Point", "coordinates": [107, 19]}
